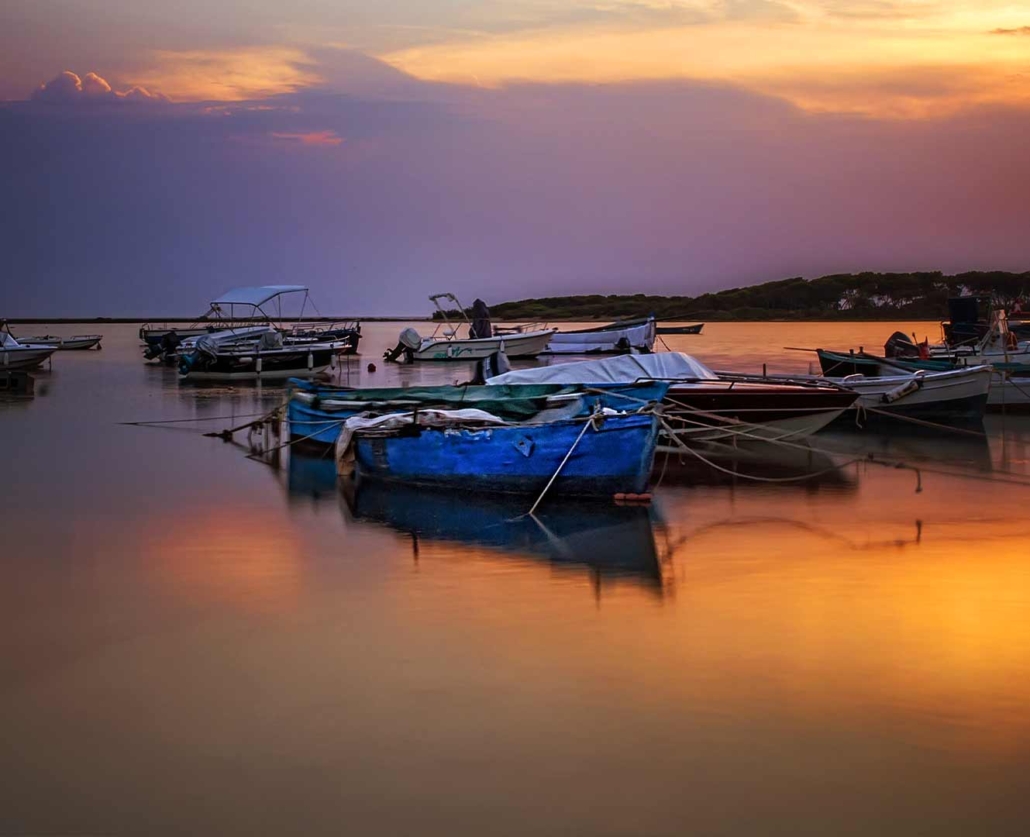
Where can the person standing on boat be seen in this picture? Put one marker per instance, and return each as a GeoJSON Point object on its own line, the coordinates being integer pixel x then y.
{"type": "Point", "coordinates": [480, 321]}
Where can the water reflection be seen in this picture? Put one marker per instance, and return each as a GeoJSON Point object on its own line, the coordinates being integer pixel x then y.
{"type": "Point", "coordinates": [609, 541]}
{"type": "Point", "coordinates": [788, 467]}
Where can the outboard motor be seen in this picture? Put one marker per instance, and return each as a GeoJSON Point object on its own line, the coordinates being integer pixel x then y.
{"type": "Point", "coordinates": [409, 341]}
{"type": "Point", "coordinates": [168, 346]}
{"type": "Point", "coordinates": [490, 367]}
{"type": "Point", "coordinates": [900, 344]}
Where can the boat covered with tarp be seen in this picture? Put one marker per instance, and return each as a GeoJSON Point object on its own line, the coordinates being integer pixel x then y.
{"type": "Point", "coordinates": [316, 412]}
{"type": "Point", "coordinates": [701, 405]}
{"type": "Point", "coordinates": [245, 313]}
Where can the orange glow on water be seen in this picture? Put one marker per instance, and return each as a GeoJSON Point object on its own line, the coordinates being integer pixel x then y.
{"type": "Point", "coordinates": [239, 560]}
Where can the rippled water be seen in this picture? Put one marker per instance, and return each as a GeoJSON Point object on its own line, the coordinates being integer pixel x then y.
{"type": "Point", "coordinates": [197, 643]}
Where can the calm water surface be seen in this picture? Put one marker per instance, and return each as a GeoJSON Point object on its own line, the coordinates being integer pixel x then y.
{"type": "Point", "coordinates": [197, 643]}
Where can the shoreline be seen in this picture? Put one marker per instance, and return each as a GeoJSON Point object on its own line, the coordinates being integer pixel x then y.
{"type": "Point", "coordinates": [599, 321]}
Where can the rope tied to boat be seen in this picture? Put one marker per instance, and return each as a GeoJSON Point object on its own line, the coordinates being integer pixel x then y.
{"type": "Point", "coordinates": [593, 421]}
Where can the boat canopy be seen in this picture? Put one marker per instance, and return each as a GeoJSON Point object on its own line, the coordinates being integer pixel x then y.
{"type": "Point", "coordinates": [257, 296]}
{"type": "Point", "coordinates": [615, 370]}
{"type": "Point", "coordinates": [7, 340]}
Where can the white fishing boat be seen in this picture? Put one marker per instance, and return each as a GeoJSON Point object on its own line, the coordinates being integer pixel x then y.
{"type": "Point", "coordinates": [622, 337]}
{"type": "Point", "coordinates": [17, 355]}
{"type": "Point", "coordinates": [956, 395]}
{"type": "Point", "coordinates": [445, 344]}
{"type": "Point", "coordinates": [77, 342]}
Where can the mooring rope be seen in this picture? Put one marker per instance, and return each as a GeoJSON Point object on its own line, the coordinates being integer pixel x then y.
{"type": "Point", "coordinates": [589, 423]}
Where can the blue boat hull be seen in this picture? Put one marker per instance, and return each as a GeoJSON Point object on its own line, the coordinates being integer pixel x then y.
{"type": "Point", "coordinates": [614, 458]}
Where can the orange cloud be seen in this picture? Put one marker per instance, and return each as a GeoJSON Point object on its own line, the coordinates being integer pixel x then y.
{"type": "Point", "coordinates": [230, 75]}
{"type": "Point", "coordinates": [817, 62]}
{"type": "Point", "coordinates": [321, 138]}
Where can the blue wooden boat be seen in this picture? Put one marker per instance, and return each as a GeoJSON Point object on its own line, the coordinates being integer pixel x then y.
{"type": "Point", "coordinates": [317, 412]}
{"type": "Point", "coordinates": [612, 455]}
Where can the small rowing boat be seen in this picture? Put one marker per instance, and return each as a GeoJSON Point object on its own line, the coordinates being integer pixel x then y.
{"type": "Point", "coordinates": [316, 412]}
{"type": "Point", "coordinates": [689, 329]}
{"type": "Point", "coordinates": [602, 454]}
{"type": "Point", "coordinates": [621, 337]}
{"type": "Point", "coordinates": [954, 395]}
{"type": "Point", "coordinates": [78, 342]}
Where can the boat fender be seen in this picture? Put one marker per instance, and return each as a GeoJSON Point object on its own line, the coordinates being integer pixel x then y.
{"type": "Point", "coordinates": [900, 392]}
{"type": "Point", "coordinates": [629, 498]}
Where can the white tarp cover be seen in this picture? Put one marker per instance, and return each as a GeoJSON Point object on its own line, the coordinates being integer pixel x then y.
{"type": "Point", "coordinates": [256, 296]}
{"type": "Point", "coordinates": [624, 369]}
{"type": "Point", "coordinates": [393, 421]}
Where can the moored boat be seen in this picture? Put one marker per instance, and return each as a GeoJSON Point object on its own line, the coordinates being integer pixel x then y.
{"type": "Point", "coordinates": [223, 356]}
{"type": "Point", "coordinates": [17, 355]}
{"type": "Point", "coordinates": [445, 344]}
{"type": "Point", "coordinates": [470, 450]}
{"type": "Point", "coordinates": [77, 342]}
{"type": "Point", "coordinates": [166, 344]}
{"type": "Point", "coordinates": [316, 412]}
{"type": "Point", "coordinates": [689, 329]}
{"type": "Point", "coordinates": [621, 337]}
{"type": "Point", "coordinates": [1009, 381]}
{"type": "Point", "coordinates": [957, 395]}
{"type": "Point", "coordinates": [701, 405]}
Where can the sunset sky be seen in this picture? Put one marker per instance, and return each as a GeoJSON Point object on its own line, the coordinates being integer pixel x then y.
{"type": "Point", "coordinates": [155, 154]}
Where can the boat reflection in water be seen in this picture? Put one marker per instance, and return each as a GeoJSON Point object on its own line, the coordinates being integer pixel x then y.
{"type": "Point", "coordinates": [762, 465]}
{"type": "Point", "coordinates": [608, 540]}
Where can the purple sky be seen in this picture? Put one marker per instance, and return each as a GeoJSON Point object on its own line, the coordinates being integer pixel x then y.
{"type": "Point", "coordinates": [396, 188]}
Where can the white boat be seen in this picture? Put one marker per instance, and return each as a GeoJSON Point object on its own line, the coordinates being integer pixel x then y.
{"type": "Point", "coordinates": [76, 342]}
{"type": "Point", "coordinates": [445, 344]}
{"type": "Point", "coordinates": [616, 338]}
{"type": "Point", "coordinates": [17, 355]}
{"type": "Point", "coordinates": [956, 395]}
{"type": "Point", "coordinates": [229, 356]}
{"type": "Point", "coordinates": [255, 352]}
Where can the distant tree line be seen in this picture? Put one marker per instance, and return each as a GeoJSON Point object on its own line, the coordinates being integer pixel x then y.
{"type": "Point", "coordinates": [846, 296]}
